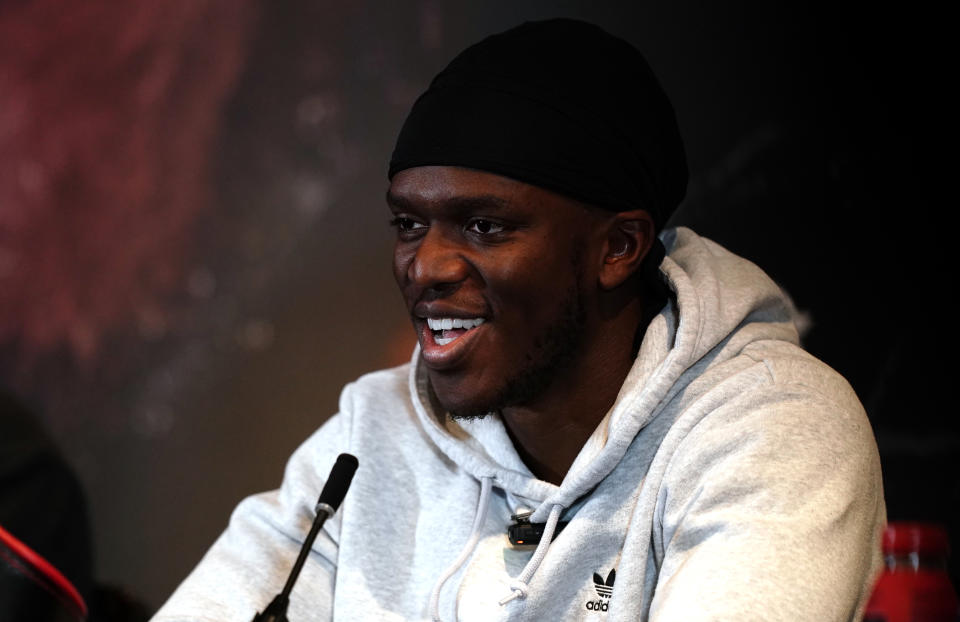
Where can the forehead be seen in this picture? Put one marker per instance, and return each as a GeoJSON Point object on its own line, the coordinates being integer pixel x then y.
{"type": "Point", "coordinates": [455, 188]}
{"type": "Point", "coordinates": [431, 184]}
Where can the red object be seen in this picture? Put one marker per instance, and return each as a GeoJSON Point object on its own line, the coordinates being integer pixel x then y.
{"type": "Point", "coordinates": [35, 566]}
{"type": "Point", "coordinates": [914, 585]}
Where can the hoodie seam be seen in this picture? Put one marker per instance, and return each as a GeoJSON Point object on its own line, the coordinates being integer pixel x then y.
{"type": "Point", "coordinates": [814, 390]}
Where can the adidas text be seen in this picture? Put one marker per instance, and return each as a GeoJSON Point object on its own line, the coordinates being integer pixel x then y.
{"type": "Point", "coordinates": [597, 605]}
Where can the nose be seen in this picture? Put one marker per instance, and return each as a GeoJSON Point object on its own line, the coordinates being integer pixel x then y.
{"type": "Point", "coordinates": [438, 266]}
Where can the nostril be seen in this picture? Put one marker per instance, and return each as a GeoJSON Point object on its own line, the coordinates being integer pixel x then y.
{"type": "Point", "coordinates": [439, 290]}
{"type": "Point", "coordinates": [437, 265]}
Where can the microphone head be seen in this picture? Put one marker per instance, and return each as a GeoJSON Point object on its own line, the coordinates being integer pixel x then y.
{"type": "Point", "coordinates": [339, 480]}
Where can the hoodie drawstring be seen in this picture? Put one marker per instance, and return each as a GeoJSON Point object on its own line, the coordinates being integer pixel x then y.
{"type": "Point", "coordinates": [519, 587]}
{"type": "Point", "coordinates": [483, 504]}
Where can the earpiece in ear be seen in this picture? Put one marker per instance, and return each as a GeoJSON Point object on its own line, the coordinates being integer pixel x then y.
{"type": "Point", "coordinates": [628, 240]}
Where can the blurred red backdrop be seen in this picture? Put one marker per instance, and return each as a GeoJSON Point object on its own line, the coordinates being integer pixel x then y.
{"type": "Point", "coordinates": [110, 113]}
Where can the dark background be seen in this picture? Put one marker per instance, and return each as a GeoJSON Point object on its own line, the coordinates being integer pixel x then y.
{"type": "Point", "coordinates": [194, 255]}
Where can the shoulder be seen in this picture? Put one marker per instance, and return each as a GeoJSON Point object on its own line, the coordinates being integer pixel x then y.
{"type": "Point", "coordinates": [797, 423]}
{"type": "Point", "coordinates": [794, 370]}
{"type": "Point", "coordinates": [771, 484]}
{"type": "Point", "coordinates": [374, 405]}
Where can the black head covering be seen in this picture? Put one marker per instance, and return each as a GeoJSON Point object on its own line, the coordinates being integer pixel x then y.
{"type": "Point", "coordinates": [559, 104]}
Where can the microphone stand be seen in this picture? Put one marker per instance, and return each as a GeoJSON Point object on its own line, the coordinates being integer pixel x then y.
{"type": "Point", "coordinates": [330, 499]}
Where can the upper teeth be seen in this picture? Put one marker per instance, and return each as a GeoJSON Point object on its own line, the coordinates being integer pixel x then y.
{"type": "Point", "coordinates": [453, 322]}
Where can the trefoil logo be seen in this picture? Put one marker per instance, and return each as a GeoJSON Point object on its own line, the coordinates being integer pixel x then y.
{"type": "Point", "coordinates": [604, 589]}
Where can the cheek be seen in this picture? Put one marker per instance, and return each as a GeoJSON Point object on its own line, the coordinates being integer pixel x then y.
{"type": "Point", "coordinates": [531, 287]}
{"type": "Point", "coordinates": [401, 264]}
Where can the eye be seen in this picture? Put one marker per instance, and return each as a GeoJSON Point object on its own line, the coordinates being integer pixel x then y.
{"type": "Point", "coordinates": [404, 224]}
{"type": "Point", "coordinates": [485, 227]}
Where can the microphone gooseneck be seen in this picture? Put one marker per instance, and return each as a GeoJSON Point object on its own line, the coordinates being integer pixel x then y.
{"type": "Point", "coordinates": [330, 499]}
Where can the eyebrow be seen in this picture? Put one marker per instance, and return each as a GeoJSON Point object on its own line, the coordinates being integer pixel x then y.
{"type": "Point", "coordinates": [457, 204]}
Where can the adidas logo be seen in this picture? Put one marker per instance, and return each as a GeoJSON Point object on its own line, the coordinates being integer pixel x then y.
{"type": "Point", "coordinates": [604, 590]}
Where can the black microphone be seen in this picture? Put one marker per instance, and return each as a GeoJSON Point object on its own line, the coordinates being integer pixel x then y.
{"type": "Point", "coordinates": [330, 499]}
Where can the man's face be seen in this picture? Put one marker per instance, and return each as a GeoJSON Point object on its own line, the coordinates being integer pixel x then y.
{"type": "Point", "coordinates": [493, 272]}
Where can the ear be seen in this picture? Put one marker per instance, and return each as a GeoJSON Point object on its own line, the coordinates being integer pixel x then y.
{"type": "Point", "coordinates": [629, 236]}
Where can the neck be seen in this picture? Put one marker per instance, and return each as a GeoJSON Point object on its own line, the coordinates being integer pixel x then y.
{"type": "Point", "coordinates": [550, 431]}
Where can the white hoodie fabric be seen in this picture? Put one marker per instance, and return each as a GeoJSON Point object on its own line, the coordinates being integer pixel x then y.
{"type": "Point", "coordinates": [735, 478]}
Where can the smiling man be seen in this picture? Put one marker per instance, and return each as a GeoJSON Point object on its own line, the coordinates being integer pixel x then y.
{"type": "Point", "coordinates": [525, 301]}
{"type": "Point", "coordinates": [604, 419]}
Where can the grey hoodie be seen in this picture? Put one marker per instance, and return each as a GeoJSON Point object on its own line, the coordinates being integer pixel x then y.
{"type": "Point", "coordinates": [735, 478]}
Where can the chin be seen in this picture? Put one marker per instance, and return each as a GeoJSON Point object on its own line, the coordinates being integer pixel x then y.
{"type": "Point", "coordinates": [460, 399]}
{"type": "Point", "coordinates": [460, 405]}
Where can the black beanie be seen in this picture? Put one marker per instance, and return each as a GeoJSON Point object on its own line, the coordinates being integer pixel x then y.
{"type": "Point", "coordinates": [559, 104]}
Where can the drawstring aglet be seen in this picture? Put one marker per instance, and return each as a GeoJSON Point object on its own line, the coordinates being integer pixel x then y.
{"type": "Point", "coordinates": [518, 589]}
{"type": "Point", "coordinates": [513, 595]}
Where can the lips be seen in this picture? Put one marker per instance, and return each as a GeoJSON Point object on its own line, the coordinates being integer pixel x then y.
{"type": "Point", "coordinates": [445, 340]}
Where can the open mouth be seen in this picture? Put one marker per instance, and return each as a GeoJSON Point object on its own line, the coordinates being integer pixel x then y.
{"type": "Point", "coordinates": [449, 329]}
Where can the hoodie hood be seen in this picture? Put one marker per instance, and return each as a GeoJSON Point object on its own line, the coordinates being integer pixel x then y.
{"type": "Point", "coordinates": [720, 303]}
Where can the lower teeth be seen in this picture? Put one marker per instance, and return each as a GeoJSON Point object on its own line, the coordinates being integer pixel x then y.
{"type": "Point", "coordinates": [440, 338]}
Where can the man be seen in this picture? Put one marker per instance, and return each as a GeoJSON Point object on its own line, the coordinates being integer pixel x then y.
{"type": "Point", "coordinates": [680, 455]}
